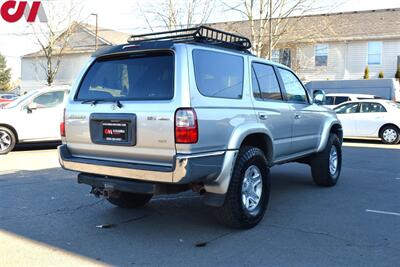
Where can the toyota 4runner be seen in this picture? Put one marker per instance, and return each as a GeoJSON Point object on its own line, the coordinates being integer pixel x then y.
{"type": "Point", "coordinates": [194, 109]}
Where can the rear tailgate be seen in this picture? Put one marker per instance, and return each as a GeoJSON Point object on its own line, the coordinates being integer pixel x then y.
{"type": "Point", "coordinates": [123, 110]}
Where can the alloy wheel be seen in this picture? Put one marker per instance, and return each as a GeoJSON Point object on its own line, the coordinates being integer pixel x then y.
{"type": "Point", "coordinates": [252, 188]}
{"type": "Point", "coordinates": [5, 140]}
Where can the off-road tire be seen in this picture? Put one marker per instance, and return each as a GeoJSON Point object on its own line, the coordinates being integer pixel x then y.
{"type": "Point", "coordinates": [130, 200]}
{"type": "Point", "coordinates": [12, 137]}
{"type": "Point", "coordinates": [320, 163]}
{"type": "Point", "coordinates": [233, 213]}
{"type": "Point", "coordinates": [390, 127]}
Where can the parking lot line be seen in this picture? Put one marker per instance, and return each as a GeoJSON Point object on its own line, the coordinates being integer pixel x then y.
{"type": "Point", "coordinates": [384, 212]}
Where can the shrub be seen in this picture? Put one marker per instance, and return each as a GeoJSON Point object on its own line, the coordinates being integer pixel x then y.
{"type": "Point", "coordinates": [397, 76]}
{"type": "Point", "coordinates": [381, 75]}
{"type": "Point", "coordinates": [366, 73]}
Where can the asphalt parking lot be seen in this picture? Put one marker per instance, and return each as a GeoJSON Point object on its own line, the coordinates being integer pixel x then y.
{"type": "Point", "coordinates": [47, 219]}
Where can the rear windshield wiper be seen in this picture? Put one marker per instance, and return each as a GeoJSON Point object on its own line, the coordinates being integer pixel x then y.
{"type": "Point", "coordinates": [96, 101]}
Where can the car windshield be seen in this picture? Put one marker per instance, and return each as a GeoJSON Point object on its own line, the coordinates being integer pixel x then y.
{"type": "Point", "coordinates": [395, 104]}
{"type": "Point", "coordinates": [19, 100]}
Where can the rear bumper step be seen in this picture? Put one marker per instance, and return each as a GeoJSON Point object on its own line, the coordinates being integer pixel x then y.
{"type": "Point", "coordinates": [186, 169]}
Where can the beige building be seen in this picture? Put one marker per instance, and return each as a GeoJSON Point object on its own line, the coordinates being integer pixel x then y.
{"type": "Point", "coordinates": [337, 46]}
{"type": "Point", "coordinates": [331, 46]}
{"type": "Point", "coordinates": [81, 46]}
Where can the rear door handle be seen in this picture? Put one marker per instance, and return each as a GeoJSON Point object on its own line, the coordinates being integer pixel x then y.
{"type": "Point", "coordinates": [262, 115]}
{"type": "Point", "coordinates": [297, 117]}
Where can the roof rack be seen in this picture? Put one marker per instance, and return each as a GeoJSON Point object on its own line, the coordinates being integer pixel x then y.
{"type": "Point", "coordinates": [201, 34]}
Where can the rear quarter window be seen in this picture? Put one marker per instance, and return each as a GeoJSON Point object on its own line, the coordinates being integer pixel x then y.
{"type": "Point", "coordinates": [218, 74]}
{"type": "Point", "coordinates": [130, 77]}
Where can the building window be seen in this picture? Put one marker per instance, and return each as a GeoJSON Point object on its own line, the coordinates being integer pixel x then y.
{"type": "Point", "coordinates": [321, 54]}
{"type": "Point", "coordinates": [374, 53]}
{"type": "Point", "coordinates": [282, 56]}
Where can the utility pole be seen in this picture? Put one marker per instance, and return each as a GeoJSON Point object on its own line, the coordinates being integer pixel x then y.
{"type": "Point", "coordinates": [270, 30]}
{"type": "Point", "coordinates": [97, 29]}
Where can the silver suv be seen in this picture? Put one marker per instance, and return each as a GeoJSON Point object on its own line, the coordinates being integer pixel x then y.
{"type": "Point", "coordinates": [194, 109]}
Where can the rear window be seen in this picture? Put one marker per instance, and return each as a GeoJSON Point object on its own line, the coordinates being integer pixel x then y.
{"type": "Point", "coordinates": [218, 74]}
{"type": "Point", "coordinates": [133, 77]}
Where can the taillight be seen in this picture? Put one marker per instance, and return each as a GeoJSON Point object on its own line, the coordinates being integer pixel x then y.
{"type": "Point", "coordinates": [62, 126]}
{"type": "Point", "coordinates": [186, 128]}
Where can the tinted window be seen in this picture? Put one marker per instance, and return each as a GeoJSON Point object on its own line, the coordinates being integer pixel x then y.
{"type": "Point", "coordinates": [218, 74]}
{"type": "Point", "coordinates": [329, 100]}
{"type": "Point", "coordinates": [267, 82]}
{"type": "Point", "coordinates": [372, 107]}
{"type": "Point", "coordinates": [49, 100]}
{"type": "Point", "coordinates": [254, 83]}
{"type": "Point", "coordinates": [294, 89]}
{"type": "Point", "coordinates": [341, 99]}
{"type": "Point", "coordinates": [347, 108]}
{"type": "Point", "coordinates": [144, 77]}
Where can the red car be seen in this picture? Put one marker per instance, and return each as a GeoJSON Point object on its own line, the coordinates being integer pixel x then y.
{"type": "Point", "coordinates": [7, 98]}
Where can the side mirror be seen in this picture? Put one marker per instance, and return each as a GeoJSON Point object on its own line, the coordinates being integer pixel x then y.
{"type": "Point", "coordinates": [319, 97]}
{"type": "Point", "coordinates": [32, 106]}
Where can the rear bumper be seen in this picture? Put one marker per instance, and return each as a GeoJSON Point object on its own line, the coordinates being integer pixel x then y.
{"type": "Point", "coordinates": [204, 167]}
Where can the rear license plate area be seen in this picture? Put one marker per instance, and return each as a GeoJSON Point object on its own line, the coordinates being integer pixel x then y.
{"type": "Point", "coordinates": [113, 129]}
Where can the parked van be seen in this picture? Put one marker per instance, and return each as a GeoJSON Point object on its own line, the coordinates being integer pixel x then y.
{"type": "Point", "coordinates": [385, 88]}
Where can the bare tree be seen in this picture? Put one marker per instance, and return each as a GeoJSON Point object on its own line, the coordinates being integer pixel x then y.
{"type": "Point", "coordinates": [175, 14]}
{"type": "Point", "coordinates": [53, 36]}
{"type": "Point", "coordinates": [269, 20]}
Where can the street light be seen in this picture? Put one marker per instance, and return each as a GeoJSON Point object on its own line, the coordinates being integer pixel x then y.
{"type": "Point", "coordinates": [97, 28]}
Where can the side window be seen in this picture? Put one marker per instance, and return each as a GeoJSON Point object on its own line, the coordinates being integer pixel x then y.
{"type": "Point", "coordinates": [49, 100]}
{"type": "Point", "coordinates": [347, 108]}
{"type": "Point", "coordinates": [267, 82]}
{"type": "Point", "coordinates": [372, 107]}
{"type": "Point", "coordinates": [294, 89]}
{"type": "Point", "coordinates": [218, 74]}
{"type": "Point", "coordinates": [254, 85]}
{"type": "Point", "coordinates": [329, 100]}
{"type": "Point", "coordinates": [341, 99]}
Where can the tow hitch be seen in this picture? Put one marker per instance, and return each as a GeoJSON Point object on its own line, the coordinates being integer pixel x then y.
{"type": "Point", "coordinates": [104, 192]}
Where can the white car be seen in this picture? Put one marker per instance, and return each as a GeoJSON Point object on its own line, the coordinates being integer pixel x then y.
{"type": "Point", "coordinates": [34, 117]}
{"type": "Point", "coordinates": [371, 119]}
{"type": "Point", "coordinates": [333, 100]}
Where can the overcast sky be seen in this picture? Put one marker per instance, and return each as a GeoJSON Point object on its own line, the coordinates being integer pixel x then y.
{"type": "Point", "coordinates": [125, 15]}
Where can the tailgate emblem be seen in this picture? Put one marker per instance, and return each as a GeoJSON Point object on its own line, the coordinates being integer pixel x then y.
{"type": "Point", "coordinates": [152, 118]}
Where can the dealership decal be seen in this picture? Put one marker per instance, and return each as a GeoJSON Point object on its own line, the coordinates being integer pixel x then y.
{"type": "Point", "coordinates": [13, 11]}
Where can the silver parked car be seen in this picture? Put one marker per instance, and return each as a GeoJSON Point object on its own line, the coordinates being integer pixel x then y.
{"type": "Point", "coordinates": [194, 109]}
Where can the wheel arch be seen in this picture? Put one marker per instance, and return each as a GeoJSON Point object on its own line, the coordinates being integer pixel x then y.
{"type": "Point", "coordinates": [261, 141]}
{"type": "Point", "coordinates": [338, 130]}
{"type": "Point", "coordinates": [385, 125]}
{"type": "Point", "coordinates": [254, 135]}
{"type": "Point", "coordinates": [11, 129]}
{"type": "Point", "coordinates": [333, 127]}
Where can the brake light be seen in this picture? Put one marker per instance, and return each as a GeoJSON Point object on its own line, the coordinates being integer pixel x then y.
{"type": "Point", "coordinates": [62, 126]}
{"type": "Point", "coordinates": [186, 128]}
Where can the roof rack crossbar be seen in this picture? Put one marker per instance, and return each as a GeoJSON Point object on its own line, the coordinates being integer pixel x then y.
{"type": "Point", "coordinates": [202, 34]}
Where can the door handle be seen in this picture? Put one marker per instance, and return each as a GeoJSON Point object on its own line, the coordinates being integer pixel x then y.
{"type": "Point", "coordinates": [297, 117]}
{"type": "Point", "coordinates": [262, 115]}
